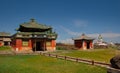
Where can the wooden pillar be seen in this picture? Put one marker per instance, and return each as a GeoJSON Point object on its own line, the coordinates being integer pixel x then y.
{"type": "Point", "coordinates": [44, 44]}
{"type": "Point", "coordinates": [35, 45]}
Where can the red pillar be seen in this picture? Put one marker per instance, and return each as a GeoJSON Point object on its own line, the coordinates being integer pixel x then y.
{"type": "Point", "coordinates": [30, 44]}
{"type": "Point", "coordinates": [44, 45]}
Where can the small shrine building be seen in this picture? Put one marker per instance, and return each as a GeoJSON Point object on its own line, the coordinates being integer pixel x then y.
{"type": "Point", "coordinates": [5, 39]}
{"type": "Point", "coordinates": [83, 42]}
{"type": "Point", "coordinates": [34, 36]}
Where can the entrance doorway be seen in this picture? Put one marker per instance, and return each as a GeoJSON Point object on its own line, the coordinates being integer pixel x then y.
{"type": "Point", "coordinates": [6, 43]}
{"type": "Point", "coordinates": [88, 45]}
{"type": "Point", "coordinates": [38, 46]}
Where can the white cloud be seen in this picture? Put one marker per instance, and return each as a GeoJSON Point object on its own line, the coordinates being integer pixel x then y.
{"type": "Point", "coordinates": [93, 35]}
{"type": "Point", "coordinates": [111, 35]}
{"type": "Point", "coordinates": [70, 32]}
{"type": "Point", "coordinates": [106, 35]}
{"type": "Point", "coordinates": [80, 23]}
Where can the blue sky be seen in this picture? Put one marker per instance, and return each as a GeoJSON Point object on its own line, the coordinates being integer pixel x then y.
{"type": "Point", "coordinates": [69, 18]}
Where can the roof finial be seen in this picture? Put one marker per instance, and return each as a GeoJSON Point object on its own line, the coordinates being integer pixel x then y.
{"type": "Point", "coordinates": [83, 34]}
{"type": "Point", "coordinates": [32, 20]}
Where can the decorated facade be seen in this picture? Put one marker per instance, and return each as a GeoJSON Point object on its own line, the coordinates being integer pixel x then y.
{"type": "Point", "coordinates": [83, 42]}
{"type": "Point", "coordinates": [34, 36]}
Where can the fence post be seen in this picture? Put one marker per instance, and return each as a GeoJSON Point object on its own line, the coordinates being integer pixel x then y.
{"type": "Point", "coordinates": [15, 53]}
{"type": "Point", "coordinates": [40, 53]}
{"type": "Point", "coordinates": [65, 57]}
{"type": "Point", "coordinates": [92, 62]}
{"type": "Point", "coordinates": [77, 59]}
{"type": "Point", "coordinates": [56, 56]}
{"type": "Point", "coordinates": [44, 54]}
{"type": "Point", "coordinates": [49, 54]}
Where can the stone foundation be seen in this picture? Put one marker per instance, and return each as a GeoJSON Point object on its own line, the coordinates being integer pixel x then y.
{"type": "Point", "coordinates": [51, 48]}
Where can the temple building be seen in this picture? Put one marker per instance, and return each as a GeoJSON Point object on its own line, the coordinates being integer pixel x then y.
{"type": "Point", "coordinates": [83, 42]}
{"type": "Point", "coordinates": [5, 39]}
{"type": "Point", "coordinates": [34, 36]}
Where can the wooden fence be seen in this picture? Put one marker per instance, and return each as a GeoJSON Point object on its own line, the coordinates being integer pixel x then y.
{"type": "Point", "coordinates": [92, 62]}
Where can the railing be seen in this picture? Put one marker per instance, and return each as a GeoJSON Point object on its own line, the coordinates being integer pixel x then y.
{"type": "Point", "coordinates": [92, 62]}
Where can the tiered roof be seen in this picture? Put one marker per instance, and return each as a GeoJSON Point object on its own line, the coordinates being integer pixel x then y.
{"type": "Point", "coordinates": [27, 26]}
{"type": "Point", "coordinates": [33, 29]}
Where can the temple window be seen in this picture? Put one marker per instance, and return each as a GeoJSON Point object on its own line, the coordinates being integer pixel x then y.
{"type": "Point", "coordinates": [48, 43]}
{"type": "Point", "coordinates": [24, 42]}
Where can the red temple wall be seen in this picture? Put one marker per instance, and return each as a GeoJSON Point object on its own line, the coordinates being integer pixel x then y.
{"type": "Point", "coordinates": [18, 46]}
{"type": "Point", "coordinates": [53, 43]}
{"type": "Point", "coordinates": [51, 47]}
{"type": "Point", "coordinates": [78, 44]}
{"type": "Point", "coordinates": [83, 44]}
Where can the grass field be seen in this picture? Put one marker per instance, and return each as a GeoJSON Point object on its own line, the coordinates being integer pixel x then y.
{"type": "Point", "coordinates": [103, 55]}
{"type": "Point", "coordinates": [4, 48]}
{"type": "Point", "coordinates": [42, 64]}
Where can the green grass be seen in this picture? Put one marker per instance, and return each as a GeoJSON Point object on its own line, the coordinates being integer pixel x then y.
{"type": "Point", "coordinates": [42, 64]}
{"type": "Point", "coordinates": [103, 55]}
{"type": "Point", "coordinates": [4, 48]}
